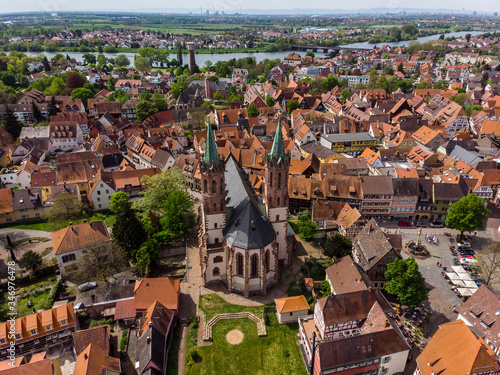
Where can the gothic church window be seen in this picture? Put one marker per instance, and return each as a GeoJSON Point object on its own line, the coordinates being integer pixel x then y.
{"type": "Point", "coordinates": [239, 264]}
{"type": "Point", "coordinates": [253, 265]}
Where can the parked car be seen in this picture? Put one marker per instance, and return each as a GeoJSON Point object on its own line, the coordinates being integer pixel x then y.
{"type": "Point", "coordinates": [436, 224]}
{"type": "Point", "coordinates": [87, 286]}
{"type": "Point", "coordinates": [467, 260]}
{"type": "Point", "coordinates": [404, 223]}
{"type": "Point", "coordinates": [464, 245]}
{"type": "Point", "coordinates": [419, 224]}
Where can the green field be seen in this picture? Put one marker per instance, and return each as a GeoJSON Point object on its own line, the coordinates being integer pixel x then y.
{"type": "Point", "coordinates": [277, 353]}
{"type": "Point", "coordinates": [51, 227]}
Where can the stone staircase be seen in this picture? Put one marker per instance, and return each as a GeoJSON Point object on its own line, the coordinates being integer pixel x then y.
{"type": "Point", "coordinates": [207, 330]}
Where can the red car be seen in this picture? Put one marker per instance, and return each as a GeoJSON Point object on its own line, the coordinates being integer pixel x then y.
{"type": "Point", "coordinates": [404, 223]}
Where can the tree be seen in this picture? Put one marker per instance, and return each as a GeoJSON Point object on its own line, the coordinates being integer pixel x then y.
{"type": "Point", "coordinates": [307, 227]}
{"type": "Point", "coordinates": [159, 102]}
{"type": "Point", "coordinates": [35, 111]}
{"type": "Point", "coordinates": [178, 214]}
{"type": "Point", "coordinates": [292, 105]}
{"type": "Point", "coordinates": [217, 95]}
{"type": "Point", "coordinates": [66, 206]}
{"type": "Point", "coordinates": [252, 110]}
{"type": "Point", "coordinates": [400, 67]}
{"type": "Point", "coordinates": [52, 107]}
{"type": "Point", "coordinates": [488, 263]}
{"type": "Point", "coordinates": [158, 188]}
{"type": "Point", "coordinates": [128, 231]}
{"type": "Point", "coordinates": [338, 246]}
{"type": "Point", "coordinates": [30, 261]}
{"type": "Point", "coordinates": [144, 110]}
{"type": "Point", "coordinates": [406, 282]}
{"type": "Point", "coordinates": [46, 64]}
{"type": "Point", "coordinates": [441, 85]}
{"type": "Point", "coordinates": [122, 60]}
{"type": "Point", "coordinates": [83, 94]}
{"type": "Point", "coordinates": [484, 80]}
{"type": "Point", "coordinates": [467, 37]}
{"type": "Point", "coordinates": [89, 58]}
{"type": "Point", "coordinates": [10, 122]}
{"type": "Point", "coordinates": [344, 95]}
{"type": "Point", "coordinates": [101, 60]}
{"type": "Point", "coordinates": [179, 53]}
{"type": "Point", "coordinates": [75, 81]}
{"type": "Point", "coordinates": [119, 202]}
{"type": "Point", "coordinates": [468, 214]}
{"type": "Point", "coordinates": [100, 262]}
{"type": "Point", "coordinates": [142, 65]}
{"type": "Point", "coordinates": [269, 101]}
{"type": "Point", "coordinates": [388, 70]}
{"type": "Point", "coordinates": [409, 29]}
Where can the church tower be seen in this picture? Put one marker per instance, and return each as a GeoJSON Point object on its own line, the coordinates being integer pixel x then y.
{"type": "Point", "coordinates": [213, 212]}
{"type": "Point", "coordinates": [276, 194]}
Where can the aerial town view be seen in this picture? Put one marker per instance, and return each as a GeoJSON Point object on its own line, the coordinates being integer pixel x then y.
{"type": "Point", "coordinates": [231, 188]}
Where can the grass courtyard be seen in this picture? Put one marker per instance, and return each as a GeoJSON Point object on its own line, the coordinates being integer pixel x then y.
{"type": "Point", "coordinates": [277, 353]}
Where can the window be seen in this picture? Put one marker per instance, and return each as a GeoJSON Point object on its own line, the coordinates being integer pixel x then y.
{"type": "Point", "coordinates": [215, 206]}
{"type": "Point", "coordinates": [239, 264]}
{"type": "Point", "coordinates": [214, 187]}
{"type": "Point", "coordinates": [277, 217]}
{"type": "Point", "coordinates": [205, 186]}
{"type": "Point", "coordinates": [2, 341]}
{"type": "Point", "coordinates": [405, 200]}
{"type": "Point", "coordinates": [267, 260]}
{"type": "Point", "coordinates": [68, 258]}
{"type": "Point", "coordinates": [98, 192]}
{"type": "Point", "coordinates": [253, 265]}
{"type": "Point", "coordinates": [216, 271]}
{"type": "Point", "coordinates": [277, 201]}
{"type": "Point", "coordinates": [25, 217]}
{"type": "Point", "coordinates": [279, 180]}
{"type": "Point", "coordinates": [63, 322]}
{"type": "Point", "coordinates": [98, 199]}
{"type": "Point", "coordinates": [18, 336]}
{"type": "Point", "coordinates": [218, 259]}
{"type": "Point", "coordinates": [395, 200]}
{"type": "Point", "coordinates": [271, 179]}
{"type": "Point", "coordinates": [32, 332]}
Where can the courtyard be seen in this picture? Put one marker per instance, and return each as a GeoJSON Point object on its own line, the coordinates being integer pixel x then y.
{"type": "Point", "coordinates": [276, 353]}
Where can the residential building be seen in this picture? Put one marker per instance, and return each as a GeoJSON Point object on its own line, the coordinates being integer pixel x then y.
{"type": "Point", "coordinates": [344, 276]}
{"type": "Point", "coordinates": [405, 199]}
{"type": "Point", "coordinates": [359, 321]}
{"type": "Point", "coordinates": [96, 361]}
{"type": "Point", "coordinates": [480, 314]}
{"type": "Point", "coordinates": [378, 194]}
{"type": "Point", "coordinates": [443, 196]}
{"type": "Point", "coordinates": [163, 290]}
{"type": "Point", "coordinates": [289, 309]}
{"type": "Point", "coordinates": [373, 250]}
{"type": "Point", "coordinates": [39, 332]}
{"type": "Point", "coordinates": [456, 350]}
{"type": "Point", "coordinates": [65, 135]}
{"type": "Point", "coordinates": [350, 143]}
{"type": "Point", "coordinates": [73, 242]}
{"type": "Point", "coordinates": [154, 336]}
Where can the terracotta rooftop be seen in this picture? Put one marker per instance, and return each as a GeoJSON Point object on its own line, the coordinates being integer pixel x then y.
{"type": "Point", "coordinates": [163, 290]}
{"type": "Point", "coordinates": [290, 304]}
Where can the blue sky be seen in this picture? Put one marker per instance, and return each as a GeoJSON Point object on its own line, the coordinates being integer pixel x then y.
{"type": "Point", "coordinates": [231, 6]}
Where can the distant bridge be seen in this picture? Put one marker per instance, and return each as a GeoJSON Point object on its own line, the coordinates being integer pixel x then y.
{"type": "Point", "coordinates": [327, 49]}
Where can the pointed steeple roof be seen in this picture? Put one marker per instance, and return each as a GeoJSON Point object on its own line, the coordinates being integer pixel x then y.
{"type": "Point", "coordinates": [211, 157]}
{"type": "Point", "coordinates": [277, 153]}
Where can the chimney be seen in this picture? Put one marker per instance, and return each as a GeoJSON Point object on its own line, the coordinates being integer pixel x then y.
{"type": "Point", "coordinates": [85, 356]}
{"type": "Point", "coordinates": [149, 340]}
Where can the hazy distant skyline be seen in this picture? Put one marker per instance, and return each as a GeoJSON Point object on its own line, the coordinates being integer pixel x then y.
{"type": "Point", "coordinates": [231, 6]}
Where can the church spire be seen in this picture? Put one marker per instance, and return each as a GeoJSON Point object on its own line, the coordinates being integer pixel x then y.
{"type": "Point", "coordinates": [277, 153]}
{"type": "Point", "coordinates": [211, 157]}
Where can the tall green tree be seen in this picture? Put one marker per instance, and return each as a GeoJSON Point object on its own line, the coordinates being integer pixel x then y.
{"type": "Point", "coordinates": [66, 206]}
{"type": "Point", "coordinates": [338, 246]}
{"type": "Point", "coordinates": [252, 110]}
{"type": "Point", "coordinates": [35, 111]}
{"type": "Point", "coordinates": [179, 53]}
{"type": "Point", "coordinates": [178, 214]}
{"type": "Point", "coordinates": [128, 231]}
{"type": "Point", "coordinates": [119, 201]}
{"type": "Point", "coordinates": [292, 105]}
{"type": "Point", "coordinates": [122, 60]}
{"type": "Point", "coordinates": [30, 260]}
{"type": "Point", "coordinates": [145, 110]}
{"type": "Point", "coordinates": [10, 122]}
{"type": "Point", "coordinates": [270, 101]}
{"type": "Point", "coordinates": [52, 107]}
{"type": "Point", "coordinates": [142, 65]}
{"type": "Point", "coordinates": [468, 214]}
{"type": "Point", "coordinates": [83, 94]}
{"type": "Point", "coordinates": [406, 282]}
{"type": "Point", "coordinates": [158, 188]}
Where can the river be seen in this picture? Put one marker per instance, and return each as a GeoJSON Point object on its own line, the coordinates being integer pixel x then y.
{"type": "Point", "coordinates": [224, 56]}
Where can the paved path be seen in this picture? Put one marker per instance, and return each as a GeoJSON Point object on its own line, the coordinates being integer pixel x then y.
{"type": "Point", "coordinates": [16, 235]}
{"type": "Point", "coordinates": [182, 351]}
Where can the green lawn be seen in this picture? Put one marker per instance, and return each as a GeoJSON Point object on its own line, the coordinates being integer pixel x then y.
{"type": "Point", "coordinates": [277, 353]}
{"type": "Point", "coordinates": [51, 227]}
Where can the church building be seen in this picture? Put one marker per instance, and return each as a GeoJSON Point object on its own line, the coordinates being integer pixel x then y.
{"type": "Point", "coordinates": [244, 237]}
